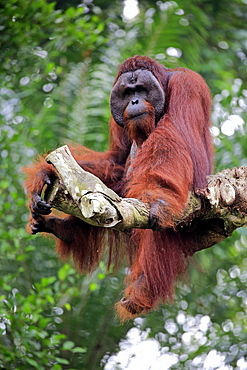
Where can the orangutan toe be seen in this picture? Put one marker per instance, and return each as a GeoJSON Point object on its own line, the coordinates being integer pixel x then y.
{"type": "Point", "coordinates": [130, 306]}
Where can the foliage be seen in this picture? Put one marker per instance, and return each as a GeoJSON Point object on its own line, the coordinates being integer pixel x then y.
{"type": "Point", "coordinates": [58, 63]}
{"type": "Point", "coordinates": [44, 72]}
{"type": "Point", "coordinates": [29, 326]}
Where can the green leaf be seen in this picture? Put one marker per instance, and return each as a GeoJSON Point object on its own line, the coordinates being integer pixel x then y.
{"type": "Point", "coordinates": [67, 306]}
{"type": "Point", "coordinates": [79, 350]}
{"type": "Point", "coordinates": [93, 286]}
{"type": "Point", "coordinates": [63, 272]}
{"type": "Point", "coordinates": [47, 281]}
{"type": "Point", "coordinates": [32, 362]}
{"type": "Point", "coordinates": [68, 345]}
{"type": "Point", "coordinates": [62, 361]}
{"type": "Point", "coordinates": [101, 276]}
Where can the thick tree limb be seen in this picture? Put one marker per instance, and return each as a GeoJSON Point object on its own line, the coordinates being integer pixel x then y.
{"type": "Point", "coordinates": [83, 195]}
{"type": "Point", "coordinates": [212, 214]}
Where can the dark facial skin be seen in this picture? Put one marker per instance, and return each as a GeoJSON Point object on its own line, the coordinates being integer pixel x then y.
{"type": "Point", "coordinates": [131, 93]}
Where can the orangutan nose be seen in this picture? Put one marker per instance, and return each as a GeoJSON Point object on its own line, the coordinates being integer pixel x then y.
{"type": "Point", "coordinates": [135, 101]}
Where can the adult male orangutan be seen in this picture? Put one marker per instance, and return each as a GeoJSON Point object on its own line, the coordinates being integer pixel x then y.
{"type": "Point", "coordinates": [160, 149]}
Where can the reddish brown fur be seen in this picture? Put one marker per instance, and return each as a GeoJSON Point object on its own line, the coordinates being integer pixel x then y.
{"type": "Point", "coordinates": [172, 158]}
{"type": "Point", "coordinates": [142, 127]}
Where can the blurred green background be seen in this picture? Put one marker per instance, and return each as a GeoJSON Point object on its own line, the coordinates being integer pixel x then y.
{"type": "Point", "coordinates": [58, 62]}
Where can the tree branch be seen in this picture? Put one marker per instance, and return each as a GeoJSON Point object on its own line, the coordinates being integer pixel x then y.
{"type": "Point", "coordinates": [212, 214]}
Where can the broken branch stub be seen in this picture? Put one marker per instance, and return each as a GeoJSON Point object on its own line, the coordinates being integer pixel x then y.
{"type": "Point", "coordinates": [84, 195]}
{"type": "Point", "coordinates": [227, 194]}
